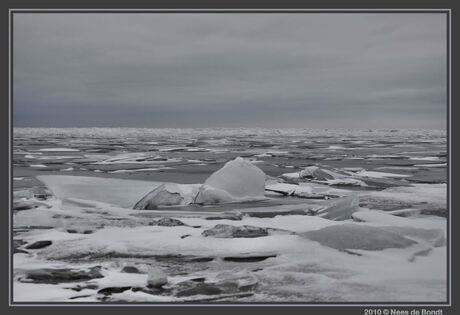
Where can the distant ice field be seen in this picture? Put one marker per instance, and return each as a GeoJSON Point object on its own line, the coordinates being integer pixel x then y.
{"type": "Point", "coordinates": [190, 155]}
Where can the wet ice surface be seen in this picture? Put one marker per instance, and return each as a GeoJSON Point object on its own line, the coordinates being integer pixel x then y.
{"type": "Point", "coordinates": [374, 201]}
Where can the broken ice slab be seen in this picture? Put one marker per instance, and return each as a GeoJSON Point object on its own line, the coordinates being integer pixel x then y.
{"type": "Point", "coordinates": [40, 193]}
{"type": "Point", "coordinates": [383, 217]}
{"type": "Point", "coordinates": [313, 172]}
{"type": "Point", "coordinates": [333, 209]}
{"type": "Point", "coordinates": [54, 276]}
{"type": "Point", "coordinates": [361, 178]}
{"type": "Point", "coordinates": [168, 194]}
{"type": "Point", "coordinates": [237, 180]}
{"type": "Point", "coordinates": [338, 209]}
{"type": "Point", "coordinates": [305, 190]}
{"type": "Point", "coordinates": [230, 231]}
{"type": "Point", "coordinates": [27, 205]}
{"type": "Point", "coordinates": [430, 231]}
{"type": "Point", "coordinates": [123, 193]}
{"type": "Point", "coordinates": [355, 236]}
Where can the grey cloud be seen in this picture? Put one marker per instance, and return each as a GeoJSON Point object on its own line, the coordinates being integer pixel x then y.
{"type": "Point", "coordinates": [200, 70]}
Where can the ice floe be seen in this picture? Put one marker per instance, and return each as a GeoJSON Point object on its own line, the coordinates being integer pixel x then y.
{"type": "Point", "coordinates": [168, 195]}
{"type": "Point", "coordinates": [238, 180]}
{"type": "Point", "coordinates": [124, 193]}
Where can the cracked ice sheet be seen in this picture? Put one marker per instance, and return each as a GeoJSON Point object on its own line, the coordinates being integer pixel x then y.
{"type": "Point", "coordinates": [157, 240]}
{"type": "Point", "coordinates": [334, 276]}
{"type": "Point", "coordinates": [152, 240]}
{"type": "Point", "coordinates": [302, 270]}
{"type": "Point", "coordinates": [113, 277]}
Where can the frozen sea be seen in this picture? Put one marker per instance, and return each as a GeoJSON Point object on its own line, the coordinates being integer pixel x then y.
{"type": "Point", "coordinates": [346, 216]}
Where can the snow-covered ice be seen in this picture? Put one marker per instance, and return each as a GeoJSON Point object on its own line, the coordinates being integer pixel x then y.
{"type": "Point", "coordinates": [334, 211]}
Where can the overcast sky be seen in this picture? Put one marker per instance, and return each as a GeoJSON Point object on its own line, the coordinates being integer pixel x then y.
{"type": "Point", "coordinates": [230, 70]}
